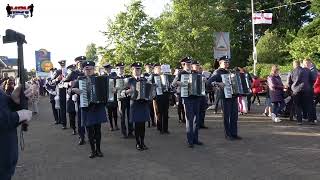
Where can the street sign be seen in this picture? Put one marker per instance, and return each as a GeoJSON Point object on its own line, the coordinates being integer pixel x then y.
{"type": "Point", "coordinates": [222, 45]}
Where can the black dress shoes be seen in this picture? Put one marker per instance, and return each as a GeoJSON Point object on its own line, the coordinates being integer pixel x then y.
{"type": "Point", "coordinates": [190, 145]}
{"type": "Point", "coordinates": [144, 147]}
{"type": "Point", "coordinates": [199, 143]}
{"type": "Point", "coordinates": [139, 148]}
{"type": "Point", "coordinates": [82, 142]}
{"type": "Point", "coordinates": [92, 155]}
{"type": "Point", "coordinates": [99, 154]}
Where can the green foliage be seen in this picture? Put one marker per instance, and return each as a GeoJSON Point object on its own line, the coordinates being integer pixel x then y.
{"type": "Point", "coordinates": [91, 52]}
{"type": "Point", "coordinates": [187, 29]}
{"type": "Point", "coordinates": [272, 48]}
{"type": "Point", "coordinates": [307, 42]}
{"type": "Point", "coordinates": [131, 37]}
{"type": "Point", "coordinates": [303, 47]}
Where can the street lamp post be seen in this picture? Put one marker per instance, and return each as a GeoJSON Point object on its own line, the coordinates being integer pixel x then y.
{"type": "Point", "coordinates": [254, 54]}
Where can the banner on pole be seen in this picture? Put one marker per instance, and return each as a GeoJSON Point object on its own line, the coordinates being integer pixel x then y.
{"type": "Point", "coordinates": [262, 18]}
{"type": "Point", "coordinates": [43, 62]}
{"type": "Point", "coordinates": [222, 45]}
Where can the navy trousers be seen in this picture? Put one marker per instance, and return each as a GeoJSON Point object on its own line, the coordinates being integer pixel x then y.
{"type": "Point", "coordinates": [63, 106]}
{"type": "Point", "coordinates": [230, 116]}
{"type": "Point", "coordinates": [81, 129]}
{"type": "Point", "coordinates": [203, 109]}
{"type": "Point", "coordinates": [192, 110]}
{"type": "Point", "coordinates": [124, 110]}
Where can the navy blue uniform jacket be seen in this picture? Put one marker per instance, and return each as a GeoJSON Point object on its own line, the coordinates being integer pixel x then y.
{"type": "Point", "coordinates": [139, 109]}
{"type": "Point", "coordinates": [9, 120]}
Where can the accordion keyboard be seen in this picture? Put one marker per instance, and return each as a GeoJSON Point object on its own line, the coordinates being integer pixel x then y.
{"type": "Point", "coordinates": [84, 95]}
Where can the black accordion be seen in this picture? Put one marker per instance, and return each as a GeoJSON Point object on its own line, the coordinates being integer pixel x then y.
{"type": "Point", "coordinates": [95, 90]}
{"type": "Point", "coordinates": [143, 91]}
{"type": "Point", "coordinates": [236, 84]}
{"type": "Point", "coordinates": [192, 85]}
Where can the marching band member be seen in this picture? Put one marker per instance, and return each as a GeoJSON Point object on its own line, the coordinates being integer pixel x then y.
{"type": "Point", "coordinates": [71, 109]}
{"type": "Point", "coordinates": [124, 106]}
{"type": "Point", "coordinates": [180, 108]}
{"type": "Point", "coordinates": [148, 67]}
{"type": "Point", "coordinates": [62, 95]}
{"type": "Point", "coordinates": [230, 105]}
{"type": "Point", "coordinates": [161, 105]}
{"type": "Point", "coordinates": [112, 107]}
{"type": "Point", "coordinates": [203, 99]}
{"type": "Point", "coordinates": [139, 109]}
{"type": "Point", "coordinates": [81, 129]}
{"type": "Point", "coordinates": [191, 106]}
{"type": "Point", "coordinates": [93, 115]}
{"type": "Point", "coordinates": [51, 87]}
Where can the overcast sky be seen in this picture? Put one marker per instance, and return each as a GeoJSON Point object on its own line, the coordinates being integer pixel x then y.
{"type": "Point", "coordinates": [64, 27]}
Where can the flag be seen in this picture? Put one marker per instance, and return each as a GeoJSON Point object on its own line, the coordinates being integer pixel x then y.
{"type": "Point", "coordinates": [262, 18]}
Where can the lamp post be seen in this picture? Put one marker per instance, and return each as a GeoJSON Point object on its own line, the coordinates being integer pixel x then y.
{"type": "Point", "coordinates": [254, 54]}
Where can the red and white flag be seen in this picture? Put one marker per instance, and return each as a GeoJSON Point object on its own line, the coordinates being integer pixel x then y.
{"type": "Point", "coordinates": [262, 18]}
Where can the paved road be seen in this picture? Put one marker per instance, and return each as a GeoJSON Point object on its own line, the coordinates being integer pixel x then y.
{"type": "Point", "coordinates": [268, 151]}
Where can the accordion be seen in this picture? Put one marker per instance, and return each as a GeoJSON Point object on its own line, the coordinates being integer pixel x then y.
{"type": "Point", "coordinates": [158, 83]}
{"type": "Point", "coordinates": [236, 84]}
{"type": "Point", "coordinates": [121, 84]}
{"type": "Point", "coordinates": [192, 85]}
{"type": "Point", "coordinates": [95, 90]}
{"type": "Point", "coordinates": [143, 91]}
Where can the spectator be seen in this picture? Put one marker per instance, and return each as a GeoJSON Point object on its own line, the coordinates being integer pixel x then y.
{"type": "Point", "coordinates": [256, 89]}
{"type": "Point", "coordinates": [316, 89]}
{"type": "Point", "coordinates": [35, 97]}
{"type": "Point", "coordinates": [4, 78]}
{"type": "Point", "coordinates": [267, 109]}
{"type": "Point", "coordinates": [276, 93]}
{"type": "Point", "coordinates": [307, 64]}
{"type": "Point", "coordinates": [8, 85]}
{"type": "Point", "coordinates": [300, 82]}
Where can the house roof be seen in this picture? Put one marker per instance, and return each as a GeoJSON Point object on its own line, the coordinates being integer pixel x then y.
{"type": "Point", "coordinates": [9, 61]}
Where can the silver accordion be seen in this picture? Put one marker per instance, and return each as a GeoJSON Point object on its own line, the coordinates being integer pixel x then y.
{"type": "Point", "coordinates": [235, 84]}
{"type": "Point", "coordinates": [121, 84]}
{"type": "Point", "coordinates": [143, 91]}
{"type": "Point", "coordinates": [95, 90]}
{"type": "Point", "coordinates": [192, 85]}
{"type": "Point", "coordinates": [163, 83]}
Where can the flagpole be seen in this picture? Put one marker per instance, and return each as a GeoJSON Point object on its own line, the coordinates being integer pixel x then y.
{"type": "Point", "coordinates": [254, 54]}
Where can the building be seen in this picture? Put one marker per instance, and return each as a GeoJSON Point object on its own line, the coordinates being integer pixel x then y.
{"type": "Point", "coordinates": [9, 65]}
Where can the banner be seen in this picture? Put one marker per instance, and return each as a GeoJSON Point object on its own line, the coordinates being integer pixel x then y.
{"type": "Point", "coordinates": [222, 45]}
{"type": "Point", "coordinates": [262, 18]}
{"type": "Point", "coordinates": [43, 62]}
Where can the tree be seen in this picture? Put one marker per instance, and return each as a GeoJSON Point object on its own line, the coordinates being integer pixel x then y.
{"type": "Point", "coordinates": [187, 29]}
{"type": "Point", "coordinates": [131, 37]}
{"type": "Point", "coordinates": [91, 52]}
{"type": "Point", "coordinates": [306, 43]}
{"type": "Point", "coordinates": [272, 48]}
{"type": "Point", "coordinates": [289, 18]}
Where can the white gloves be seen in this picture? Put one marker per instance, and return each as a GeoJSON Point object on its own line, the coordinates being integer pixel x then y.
{"type": "Point", "coordinates": [123, 93]}
{"type": "Point", "coordinates": [24, 115]}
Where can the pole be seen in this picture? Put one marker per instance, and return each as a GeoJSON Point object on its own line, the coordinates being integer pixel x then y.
{"type": "Point", "coordinates": [254, 53]}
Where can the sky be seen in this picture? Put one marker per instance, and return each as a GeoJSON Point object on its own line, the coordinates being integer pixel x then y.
{"type": "Point", "coordinates": [64, 27]}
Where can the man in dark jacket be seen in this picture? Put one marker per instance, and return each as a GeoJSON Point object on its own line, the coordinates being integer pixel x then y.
{"type": "Point", "coordinates": [300, 82]}
{"type": "Point", "coordinates": [10, 119]}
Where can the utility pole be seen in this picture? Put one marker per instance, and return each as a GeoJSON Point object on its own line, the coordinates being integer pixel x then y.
{"type": "Point", "coordinates": [254, 54]}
